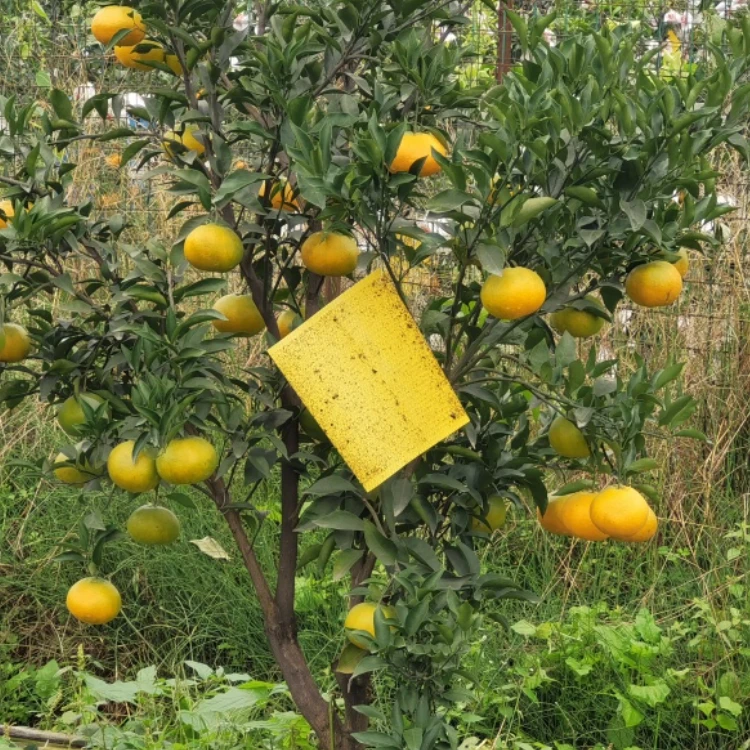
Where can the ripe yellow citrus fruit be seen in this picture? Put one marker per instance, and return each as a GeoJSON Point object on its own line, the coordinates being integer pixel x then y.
{"type": "Point", "coordinates": [93, 601]}
{"type": "Point", "coordinates": [647, 532]}
{"type": "Point", "coordinates": [114, 18]}
{"type": "Point", "coordinates": [6, 208]}
{"type": "Point", "coordinates": [494, 519]}
{"type": "Point", "coordinates": [654, 284]}
{"type": "Point", "coordinates": [135, 56]}
{"type": "Point", "coordinates": [134, 476]}
{"type": "Point", "coordinates": [349, 658]}
{"type": "Point", "coordinates": [186, 139]}
{"type": "Point", "coordinates": [240, 164]}
{"type": "Point", "coordinates": [113, 160]}
{"type": "Point", "coordinates": [213, 247]}
{"type": "Point", "coordinates": [552, 520]}
{"type": "Point", "coordinates": [282, 196]}
{"type": "Point", "coordinates": [330, 254]}
{"type": "Point", "coordinates": [416, 146]}
{"type": "Point", "coordinates": [578, 323]}
{"type": "Point", "coordinates": [362, 617]}
{"type": "Point", "coordinates": [311, 427]}
{"type": "Point", "coordinates": [242, 316]}
{"type": "Point", "coordinates": [74, 474]}
{"type": "Point", "coordinates": [187, 461]}
{"type": "Point", "coordinates": [567, 440]}
{"type": "Point", "coordinates": [71, 415]}
{"type": "Point", "coordinates": [173, 63]}
{"type": "Point", "coordinates": [288, 321]}
{"type": "Point", "coordinates": [153, 524]}
{"type": "Point", "coordinates": [619, 511]}
{"type": "Point", "coordinates": [683, 264]}
{"type": "Point", "coordinates": [517, 293]}
{"type": "Point", "coordinates": [17, 344]}
{"type": "Point", "coordinates": [575, 514]}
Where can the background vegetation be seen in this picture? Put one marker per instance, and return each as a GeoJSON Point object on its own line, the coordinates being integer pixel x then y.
{"type": "Point", "coordinates": [646, 647]}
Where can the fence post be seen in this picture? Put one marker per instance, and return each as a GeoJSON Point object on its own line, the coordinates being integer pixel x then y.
{"type": "Point", "coordinates": [504, 40]}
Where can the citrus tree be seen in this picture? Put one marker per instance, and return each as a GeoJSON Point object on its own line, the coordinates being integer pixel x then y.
{"type": "Point", "coordinates": [583, 176]}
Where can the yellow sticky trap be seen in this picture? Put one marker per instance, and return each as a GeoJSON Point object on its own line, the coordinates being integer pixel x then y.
{"type": "Point", "coordinates": [364, 371]}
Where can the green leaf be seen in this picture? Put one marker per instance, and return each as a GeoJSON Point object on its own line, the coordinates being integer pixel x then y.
{"type": "Point", "coordinates": [519, 25]}
{"type": "Point", "coordinates": [61, 105]}
{"type": "Point", "coordinates": [115, 133]}
{"type": "Point", "coordinates": [449, 200]}
{"type": "Point", "coordinates": [636, 213]}
{"type": "Point", "coordinates": [691, 433]}
{"type": "Point", "coordinates": [342, 520]}
{"type": "Point", "coordinates": [727, 704]}
{"type": "Point", "coordinates": [651, 695]}
{"type": "Point", "coordinates": [183, 499]}
{"type": "Point", "coordinates": [204, 286]}
{"type": "Point", "coordinates": [492, 257]}
{"type": "Point", "coordinates": [331, 485]}
{"type": "Point", "coordinates": [667, 375]}
{"type": "Point", "coordinates": [309, 555]}
{"type": "Point", "coordinates": [368, 664]}
{"type": "Point", "coordinates": [345, 561]}
{"type": "Point", "coordinates": [642, 465]}
{"type": "Point", "coordinates": [586, 195]}
{"type": "Point", "coordinates": [382, 547]}
{"type": "Point", "coordinates": [678, 411]}
{"type": "Point", "coordinates": [234, 183]}
{"type": "Point", "coordinates": [531, 208]}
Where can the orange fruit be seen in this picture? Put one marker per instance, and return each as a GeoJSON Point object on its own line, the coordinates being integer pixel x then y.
{"type": "Point", "coordinates": [213, 247]}
{"type": "Point", "coordinates": [647, 532]}
{"type": "Point", "coordinates": [683, 264]}
{"type": "Point", "coordinates": [416, 146]}
{"type": "Point", "coordinates": [349, 658]}
{"type": "Point", "coordinates": [153, 524]}
{"type": "Point", "coordinates": [242, 316]}
{"type": "Point", "coordinates": [187, 461]}
{"type": "Point", "coordinates": [113, 160]}
{"type": "Point", "coordinates": [115, 18]}
{"type": "Point", "coordinates": [137, 55]}
{"type": "Point", "coordinates": [71, 415]}
{"type": "Point", "coordinates": [282, 196]}
{"type": "Point", "coordinates": [173, 63]}
{"type": "Point", "coordinates": [578, 323]}
{"type": "Point", "coordinates": [567, 440]}
{"type": "Point", "coordinates": [362, 617]}
{"type": "Point", "coordinates": [134, 476]}
{"type": "Point", "coordinates": [575, 513]}
{"type": "Point", "coordinates": [94, 601]}
{"type": "Point", "coordinates": [619, 511]}
{"type": "Point", "coordinates": [73, 474]}
{"type": "Point", "coordinates": [517, 293]}
{"type": "Point", "coordinates": [6, 209]}
{"type": "Point", "coordinates": [552, 520]}
{"type": "Point", "coordinates": [288, 321]}
{"type": "Point", "coordinates": [16, 343]}
{"type": "Point", "coordinates": [493, 519]}
{"type": "Point", "coordinates": [654, 284]}
{"type": "Point", "coordinates": [330, 254]}
{"type": "Point", "coordinates": [186, 139]}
